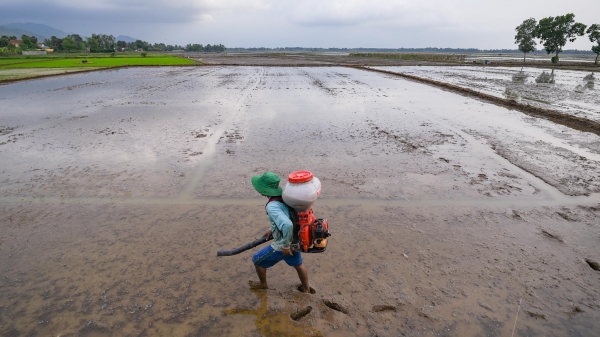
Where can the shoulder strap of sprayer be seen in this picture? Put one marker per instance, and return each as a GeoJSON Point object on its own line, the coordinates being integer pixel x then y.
{"type": "Point", "coordinates": [293, 217]}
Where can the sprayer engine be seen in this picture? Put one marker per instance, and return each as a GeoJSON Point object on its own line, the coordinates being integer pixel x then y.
{"type": "Point", "coordinates": [312, 233]}
{"type": "Point", "coordinates": [300, 192]}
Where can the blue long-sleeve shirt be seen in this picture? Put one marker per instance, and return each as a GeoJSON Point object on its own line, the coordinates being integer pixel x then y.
{"type": "Point", "coordinates": [281, 225]}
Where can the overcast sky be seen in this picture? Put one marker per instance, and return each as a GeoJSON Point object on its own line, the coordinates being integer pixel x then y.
{"type": "Point", "coordinates": [483, 24]}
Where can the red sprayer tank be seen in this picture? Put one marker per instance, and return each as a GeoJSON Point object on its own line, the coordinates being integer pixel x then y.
{"type": "Point", "coordinates": [300, 192]}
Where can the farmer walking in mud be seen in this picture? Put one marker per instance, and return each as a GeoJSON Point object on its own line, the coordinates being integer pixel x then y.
{"type": "Point", "coordinates": [282, 232]}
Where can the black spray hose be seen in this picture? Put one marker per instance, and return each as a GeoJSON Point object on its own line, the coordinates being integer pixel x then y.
{"type": "Point", "coordinates": [244, 247]}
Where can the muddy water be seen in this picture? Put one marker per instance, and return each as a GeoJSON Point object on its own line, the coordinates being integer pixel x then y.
{"type": "Point", "coordinates": [118, 187]}
{"type": "Point", "coordinates": [574, 92]}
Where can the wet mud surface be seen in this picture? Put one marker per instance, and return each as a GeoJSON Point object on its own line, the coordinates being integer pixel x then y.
{"type": "Point", "coordinates": [448, 214]}
{"type": "Point", "coordinates": [294, 59]}
{"type": "Point", "coordinates": [573, 92]}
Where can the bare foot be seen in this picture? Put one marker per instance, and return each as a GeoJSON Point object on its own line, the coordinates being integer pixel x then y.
{"type": "Point", "coordinates": [257, 285]}
{"type": "Point", "coordinates": [304, 290]}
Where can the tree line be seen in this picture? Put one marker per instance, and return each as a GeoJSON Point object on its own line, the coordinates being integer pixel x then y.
{"type": "Point", "coordinates": [217, 48]}
{"type": "Point", "coordinates": [553, 33]}
{"type": "Point", "coordinates": [27, 43]}
{"type": "Point", "coordinates": [97, 43]}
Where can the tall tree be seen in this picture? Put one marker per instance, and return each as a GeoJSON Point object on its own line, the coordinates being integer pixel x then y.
{"type": "Point", "coordinates": [69, 45]}
{"type": "Point", "coordinates": [101, 43]}
{"type": "Point", "coordinates": [55, 43]}
{"type": "Point", "coordinates": [26, 43]}
{"type": "Point", "coordinates": [594, 34]}
{"type": "Point", "coordinates": [93, 43]}
{"type": "Point", "coordinates": [4, 41]}
{"type": "Point", "coordinates": [555, 31]}
{"type": "Point", "coordinates": [525, 35]}
{"type": "Point", "coordinates": [77, 39]}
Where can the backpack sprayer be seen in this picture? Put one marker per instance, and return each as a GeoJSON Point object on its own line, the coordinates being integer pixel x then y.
{"type": "Point", "coordinates": [310, 233]}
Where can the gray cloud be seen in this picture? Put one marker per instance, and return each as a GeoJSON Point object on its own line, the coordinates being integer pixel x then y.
{"type": "Point", "coordinates": [318, 23]}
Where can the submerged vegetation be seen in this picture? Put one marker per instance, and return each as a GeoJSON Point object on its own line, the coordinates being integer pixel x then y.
{"type": "Point", "coordinates": [545, 77]}
{"type": "Point", "coordinates": [415, 56]}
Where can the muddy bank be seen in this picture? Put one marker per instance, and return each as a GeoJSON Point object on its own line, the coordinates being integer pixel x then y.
{"type": "Point", "coordinates": [151, 274]}
{"type": "Point", "coordinates": [275, 59]}
{"type": "Point", "coordinates": [107, 269]}
{"type": "Point", "coordinates": [15, 75]}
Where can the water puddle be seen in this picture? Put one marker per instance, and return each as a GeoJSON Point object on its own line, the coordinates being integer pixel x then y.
{"type": "Point", "coordinates": [271, 323]}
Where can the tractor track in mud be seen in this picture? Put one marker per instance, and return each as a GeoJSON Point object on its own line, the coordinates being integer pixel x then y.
{"type": "Point", "coordinates": [577, 123]}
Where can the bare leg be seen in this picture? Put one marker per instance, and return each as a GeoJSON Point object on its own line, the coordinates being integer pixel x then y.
{"type": "Point", "coordinates": [262, 276]}
{"type": "Point", "coordinates": [303, 275]}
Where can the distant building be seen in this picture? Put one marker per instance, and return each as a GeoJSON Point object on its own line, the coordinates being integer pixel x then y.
{"type": "Point", "coordinates": [41, 46]}
{"type": "Point", "coordinates": [16, 43]}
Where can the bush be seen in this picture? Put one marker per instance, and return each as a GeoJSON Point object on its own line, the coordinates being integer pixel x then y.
{"type": "Point", "coordinates": [8, 51]}
{"type": "Point", "coordinates": [144, 54]}
{"type": "Point", "coordinates": [545, 78]}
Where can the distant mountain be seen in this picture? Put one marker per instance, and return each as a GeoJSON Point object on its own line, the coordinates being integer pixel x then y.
{"type": "Point", "coordinates": [18, 32]}
{"type": "Point", "coordinates": [38, 29]}
{"type": "Point", "coordinates": [125, 38]}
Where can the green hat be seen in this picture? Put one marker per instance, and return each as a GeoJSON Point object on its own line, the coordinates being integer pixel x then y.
{"type": "Point", "coordinates": [267, 184]}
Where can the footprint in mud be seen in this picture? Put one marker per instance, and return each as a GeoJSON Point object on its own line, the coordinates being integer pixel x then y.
{"type": "Point", "coordinates": [593, 264]}
{"type": "Point", "coordinates": [380, 308]}
{"type": "Point", "coordinates": [552, 236]}
{"type": "Point", "coordinates": [273, 323]}
{"type": "Point", "coordinates": [335, 306]}
{"type": "Point", "coordinates": [301, 313]}
{"type": "Point", "coordinates": [536, 315]}
{"type": "Point", "coordinates": [574, 310]}
{"type": "Point", "coordinates": [312, 290]}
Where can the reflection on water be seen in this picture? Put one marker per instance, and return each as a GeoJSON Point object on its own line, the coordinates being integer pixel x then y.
{"type": "Point", "coordinates": [273, 323]}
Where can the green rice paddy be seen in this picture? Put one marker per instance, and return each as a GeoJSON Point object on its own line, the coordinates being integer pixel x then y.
{"type": "Point", "coordinates": [120, 61]}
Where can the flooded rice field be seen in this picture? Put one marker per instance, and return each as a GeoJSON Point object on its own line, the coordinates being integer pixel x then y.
{"type": "Point", "coordinates": [450, 216]}
{"type": "Point", "coordinates": [573, 92]}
